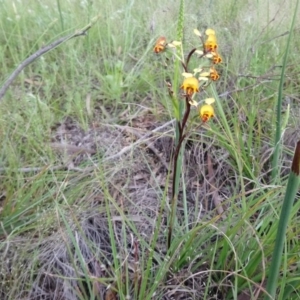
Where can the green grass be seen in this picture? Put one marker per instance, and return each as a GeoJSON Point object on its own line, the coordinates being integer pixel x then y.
{"type": "Point", "coordinates": [83, 221]}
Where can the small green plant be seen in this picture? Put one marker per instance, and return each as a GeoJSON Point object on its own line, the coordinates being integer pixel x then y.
{"type": "Point", "coordinates": [197, 76]}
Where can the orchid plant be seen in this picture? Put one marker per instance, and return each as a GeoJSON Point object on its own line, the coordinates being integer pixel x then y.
{"type": "Point", "coordinates": [194, 82]}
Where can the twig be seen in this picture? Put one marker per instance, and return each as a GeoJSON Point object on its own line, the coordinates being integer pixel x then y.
{"type": "Point", "coordinates": [139, 141]}
{"type": "Point", "coordinates": [251, 86]}
{"type": "Point", "coordinates": [40, 52]}
{"type": "Point", "coordinates": [71, 149]}
{"type": "Point", "coordinates": [48, 168]}
{"type": "Point", "coordinates": [32, 169]}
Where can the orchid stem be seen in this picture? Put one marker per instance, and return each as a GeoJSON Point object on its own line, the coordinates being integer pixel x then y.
{"type": "Point", "coordinates": [176, 164]}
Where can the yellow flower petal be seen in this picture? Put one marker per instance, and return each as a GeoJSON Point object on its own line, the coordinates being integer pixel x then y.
{"type": "Point", "coordinates": [204, 74]}
{"type": "Point", "coordinates": [209, 31]}
{"type": "Point", "coordinates": [197, 32]}
{"type": "Point", "coordinates": [187, 75]}
{"type": "Point", "coordinates": [202, 78]}
{"type": "Point", "coordinates": [176, 43]}
{"type": "Point", "coordinates": [199, 52]}
{"type": "Point", "coordinates": [190, 86]}
{"type": "Point", "coordinates": [170, 45]}
{"type": "Point", "coordinates": [206, 112]}
{"type": "Point", "coordinates": [209, 100]}
{"type": "Point", "coordinates": [197, 70]}
{"type": "Point", "coordinates": [193, 102]}
{"type": "Point", "coordinates": [209, 55]}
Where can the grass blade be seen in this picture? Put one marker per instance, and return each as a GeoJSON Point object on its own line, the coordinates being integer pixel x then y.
{"type": "Point", "coordinates": [279, 101]}
{"type": "Point", "coordinates": [291, 191]}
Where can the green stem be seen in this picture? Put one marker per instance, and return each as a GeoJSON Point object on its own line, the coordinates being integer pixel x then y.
{"type": "Point", "coordinates": [60, 15]}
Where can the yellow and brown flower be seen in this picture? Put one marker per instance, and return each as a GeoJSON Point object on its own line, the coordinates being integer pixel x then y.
{"type": "Point", "coordinates": [211, 41]}
{"type": "Point", "coordinates": [160, 44]}
{"type": "Point", "coordinates": [213, 74]}
{"type": "Point", "coordinates": [206, 112]}
{"type": "Point", "coordinates": [190, 86]}
{"type": "Point", "coordinates": [216, 58]}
